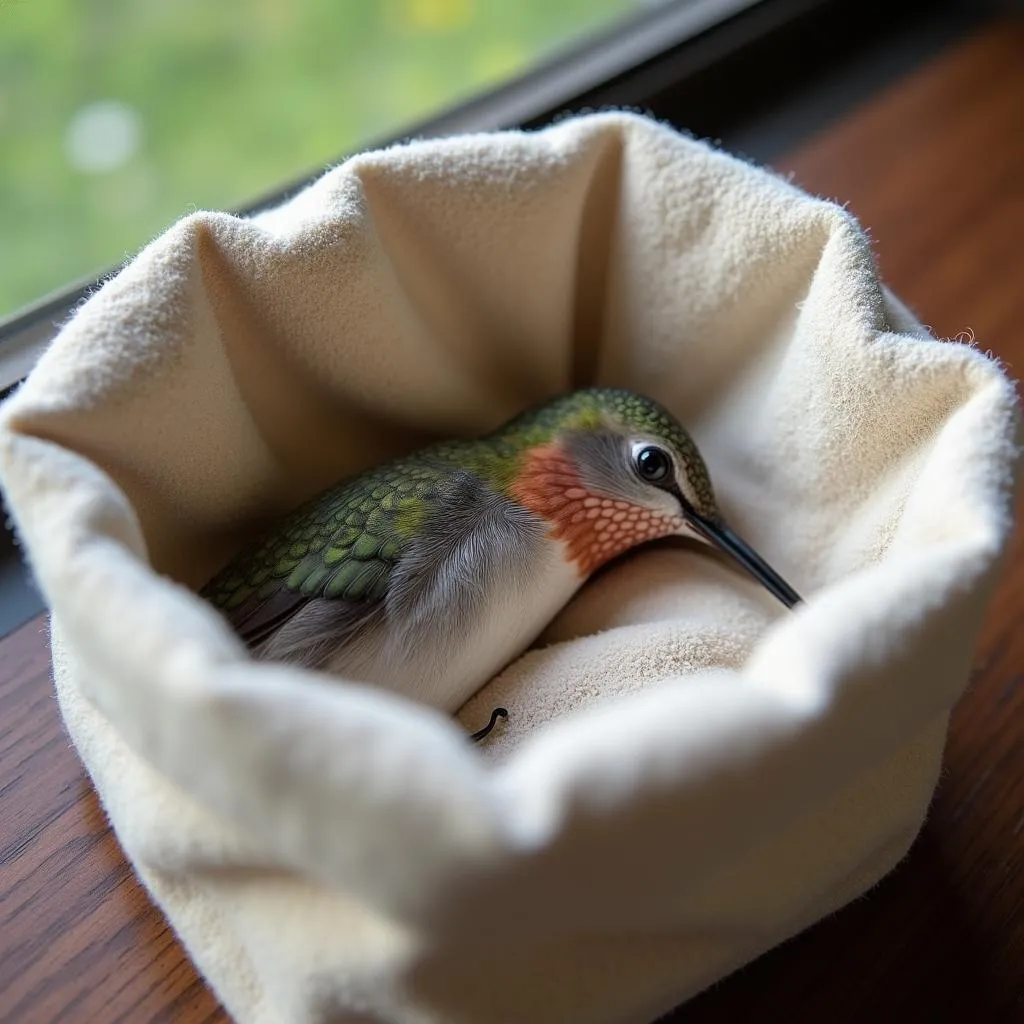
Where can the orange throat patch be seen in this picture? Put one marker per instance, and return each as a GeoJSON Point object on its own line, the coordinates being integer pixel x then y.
{"type": "Point", "coordinates": [593, 528]}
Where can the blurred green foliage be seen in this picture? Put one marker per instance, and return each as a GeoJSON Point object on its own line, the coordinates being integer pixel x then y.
{"type": "Point", "coordinates": [232, 98]}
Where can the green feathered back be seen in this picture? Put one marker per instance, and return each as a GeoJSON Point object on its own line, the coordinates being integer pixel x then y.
{"type": "Point", "coordinates": [344, 543]}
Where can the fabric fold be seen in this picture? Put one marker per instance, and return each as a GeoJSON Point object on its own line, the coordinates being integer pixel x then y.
{"type": "Point", "coordinates": [689, 774]}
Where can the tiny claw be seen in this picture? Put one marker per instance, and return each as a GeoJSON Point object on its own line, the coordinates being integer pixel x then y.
{"type": "Point", "coordinates": [485, 731]}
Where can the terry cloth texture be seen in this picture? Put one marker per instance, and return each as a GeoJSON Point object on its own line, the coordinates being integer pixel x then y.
{"type": "Point", "coordinates": [691, 773]}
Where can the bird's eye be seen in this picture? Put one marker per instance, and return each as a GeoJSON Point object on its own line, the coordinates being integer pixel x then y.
{"type": "Point", "coordinates": [653, 464]}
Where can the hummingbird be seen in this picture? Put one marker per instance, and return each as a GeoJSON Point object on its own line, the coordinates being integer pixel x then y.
{"type": "Point", "coordinates": [428, 574]}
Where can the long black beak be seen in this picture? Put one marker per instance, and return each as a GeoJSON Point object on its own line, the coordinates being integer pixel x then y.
{"type": "Point", "coordinates": [724, 539]}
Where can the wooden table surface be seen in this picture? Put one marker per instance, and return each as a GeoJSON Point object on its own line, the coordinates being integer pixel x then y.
{"type": "Point", "coordinates": [934, 167]}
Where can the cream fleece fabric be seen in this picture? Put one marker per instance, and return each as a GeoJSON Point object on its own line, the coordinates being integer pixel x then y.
{"type": "Point", "coordinates": [690, 773]}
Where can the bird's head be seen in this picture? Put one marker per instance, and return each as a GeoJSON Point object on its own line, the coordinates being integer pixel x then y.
{"type": "Point", "coordinates": [610, 469]}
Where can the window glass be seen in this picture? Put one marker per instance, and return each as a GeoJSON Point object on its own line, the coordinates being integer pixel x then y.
{"type": "Point", "coordinates": [118, 116]}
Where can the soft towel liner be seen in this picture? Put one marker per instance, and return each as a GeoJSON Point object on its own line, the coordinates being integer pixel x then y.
{"type": "Point", "coordinates": [690, 774]}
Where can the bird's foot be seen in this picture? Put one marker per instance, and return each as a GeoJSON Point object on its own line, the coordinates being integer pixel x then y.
{"type": "Point", "coordinates": [486, 730]}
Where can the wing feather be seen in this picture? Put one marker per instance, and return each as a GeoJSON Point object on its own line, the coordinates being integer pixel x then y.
{"type": "Point", "coordinates": [337, 553]}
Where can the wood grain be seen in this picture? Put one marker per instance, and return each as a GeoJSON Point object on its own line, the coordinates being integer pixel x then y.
{"type": "Point", "coordinates": [935, 169]}
{"type": "Point", "coordinates": [79, 939]}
